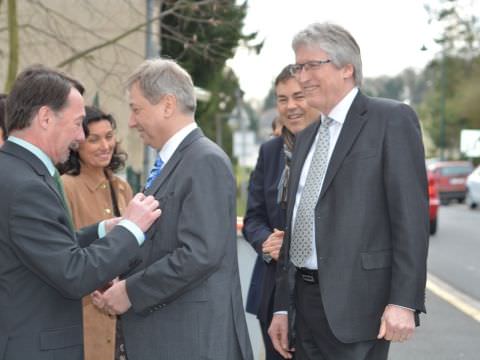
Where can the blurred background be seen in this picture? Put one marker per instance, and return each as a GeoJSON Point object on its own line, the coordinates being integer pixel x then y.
{"type": "Point", "coordinates": [424, 53]}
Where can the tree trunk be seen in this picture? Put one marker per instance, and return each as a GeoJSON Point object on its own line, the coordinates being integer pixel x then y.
{"type": "Point", "coordinates": [13, 44]}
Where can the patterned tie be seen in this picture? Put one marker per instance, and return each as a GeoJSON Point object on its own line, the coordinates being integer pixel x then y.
{"type": "Point", "coordinates": [61, 190]}
{"type": "Point", "coordinates": [301, 244]}
{"type": "Point", "coordinates": [156, 170]}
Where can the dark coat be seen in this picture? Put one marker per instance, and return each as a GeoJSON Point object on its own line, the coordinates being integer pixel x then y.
{"type": "Point", "coordinates": [44, 271]}
{"type": "Point", "coordinates": [371, 219]}
{"type": "Point", "coordinates": [263, 215]}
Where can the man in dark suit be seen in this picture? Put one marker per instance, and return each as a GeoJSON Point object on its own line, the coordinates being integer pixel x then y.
{"type": "Point", "coordinates": [184, 301]}
{"type": "Point", "coordinates": [45, 268]}
{"type": "Point", "coordinates": [265, 217]}
{"type": "Point", "coordinates": [357, 217]}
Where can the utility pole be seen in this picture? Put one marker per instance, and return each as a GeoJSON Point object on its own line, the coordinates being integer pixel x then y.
{"type": "Point", "coordinates": [243, 129]}
{"type": "Point", "coordinates": [149, 153]}
{"type": "Point", "coordinates": [443, 85]}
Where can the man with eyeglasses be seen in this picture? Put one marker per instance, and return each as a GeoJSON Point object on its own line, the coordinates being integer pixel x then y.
{"type": "Point", "coordinates": [357, 214]}
{"type": "Point", "coordinates": [265, 218]}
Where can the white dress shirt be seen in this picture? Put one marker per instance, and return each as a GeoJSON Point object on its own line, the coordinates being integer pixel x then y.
{"type": "Point", "coordinates": [174, 142]}
{"type": "Point", "coordinates": [338, 114]}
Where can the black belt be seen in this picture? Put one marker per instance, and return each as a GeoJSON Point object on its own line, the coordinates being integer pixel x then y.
{"type": "Point", "coordinates": [308, 275]}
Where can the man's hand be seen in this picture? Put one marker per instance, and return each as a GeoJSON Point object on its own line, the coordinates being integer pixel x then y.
{"type": "Point", "coordinates": [110, 223]}
{"type": "Point", "coordinates": [278, 332]}
{"type": "Point", "coordinates": [397, 324]}
{"type": "Point", "coordinates": [272, 245]}
{"type": "Point", "coordinates": [143, 211]}
{"type": "Point", "coordinates": [113, 301]}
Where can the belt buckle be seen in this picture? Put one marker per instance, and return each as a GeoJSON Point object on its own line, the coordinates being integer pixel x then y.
{"type": "Point", "coordinates": [308, 278]}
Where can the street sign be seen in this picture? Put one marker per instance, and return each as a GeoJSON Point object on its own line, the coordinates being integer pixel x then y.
{"type": "Point", "coordinates": [470, 143]}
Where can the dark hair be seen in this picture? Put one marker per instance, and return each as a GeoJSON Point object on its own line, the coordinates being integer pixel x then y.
{"type": "Point", "coordinates": [33, 88]}
{"type": "Point", "coordinates": [72, 165]}
{"type": "Point", "coordinates": [3, 99]}
{"type": "Point", "coordinates": [284, 75]}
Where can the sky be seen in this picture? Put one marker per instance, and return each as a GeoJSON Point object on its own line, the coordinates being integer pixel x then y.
{"type": "Point", "coordinates": [390, 34]}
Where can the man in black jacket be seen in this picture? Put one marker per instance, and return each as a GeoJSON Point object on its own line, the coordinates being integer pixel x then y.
{"type": "Point", "coordinates": [265, 219]}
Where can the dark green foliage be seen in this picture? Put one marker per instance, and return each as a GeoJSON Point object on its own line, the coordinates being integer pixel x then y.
{"type": "Point", "coordinates": [201, 36]}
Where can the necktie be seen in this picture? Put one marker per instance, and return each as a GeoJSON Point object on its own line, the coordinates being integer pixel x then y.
{"type": "Point", "coordinates": [61, 190]}
{"type": "Point", "coordinates": [301, 244]}
{"type": "Point", "coordinates": [156, 170]}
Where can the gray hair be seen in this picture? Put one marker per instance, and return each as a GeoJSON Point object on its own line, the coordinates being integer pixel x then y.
{"type": "Point", "coordinates": [159, 77]}
{"type": "Point", "coordinates": [337, 42]}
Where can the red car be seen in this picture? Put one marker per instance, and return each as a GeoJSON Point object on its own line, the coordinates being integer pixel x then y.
{"type": "Point", "coordinates": [434, 202]}
{"type": "Point", "coordinates": [451, 177]}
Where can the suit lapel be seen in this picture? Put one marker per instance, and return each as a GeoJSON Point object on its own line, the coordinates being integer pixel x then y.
{"type": "Point", "coordinates": [173, 161]}
{"type": "Point", "coordinates": [354, 122]}
{"type": "Point", "coordinates": [34, 162]}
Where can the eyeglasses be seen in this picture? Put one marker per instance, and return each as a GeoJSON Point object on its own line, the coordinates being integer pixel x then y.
{"type": "Point", "coordinates": [296, 69]}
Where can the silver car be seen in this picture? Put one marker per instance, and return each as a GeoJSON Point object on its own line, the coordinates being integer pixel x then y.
{"type": "Point", "coordinates": [473, 189]}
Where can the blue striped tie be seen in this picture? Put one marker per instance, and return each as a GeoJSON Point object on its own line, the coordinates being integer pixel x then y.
{"type": "Point", "coordinates": [156, 170]}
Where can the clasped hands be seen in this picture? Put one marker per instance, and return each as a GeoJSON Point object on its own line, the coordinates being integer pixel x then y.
{"type": "Point", "coordinates": [114, 300]}
{"type": "Point", "coordinates": [273, 244]}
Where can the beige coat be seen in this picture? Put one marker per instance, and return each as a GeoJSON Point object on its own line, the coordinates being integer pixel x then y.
{"type": "Point", "coordinates": [90, 201]}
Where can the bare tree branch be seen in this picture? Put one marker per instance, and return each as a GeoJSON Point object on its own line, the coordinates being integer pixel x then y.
{"type": "Point", "coordinates": [71, 22]}
{"type": "Point", "coordinates": [116, 39]}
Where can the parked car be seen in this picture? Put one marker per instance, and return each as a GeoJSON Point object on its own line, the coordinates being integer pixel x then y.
{"type": "Point", "coordinates": [434, 202]}
{"type": "Point", "coordinates": [451, 177]}
{"type": "Point", "coordinates": [473, 189]}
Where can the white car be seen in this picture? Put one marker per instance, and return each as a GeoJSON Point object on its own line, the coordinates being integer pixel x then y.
{"type": "Point", "coordinates": [473, 189]}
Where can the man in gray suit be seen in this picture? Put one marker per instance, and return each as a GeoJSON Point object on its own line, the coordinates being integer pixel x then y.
{"type": "Point", "coordinates": [45, 268]}
{"type": "Point", "coordinates": [357, 218]}
{"type": "Point", "coordinates": [184, 300]}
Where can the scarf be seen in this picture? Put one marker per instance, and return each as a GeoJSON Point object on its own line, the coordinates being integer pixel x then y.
{"type": "Point", "coordinates": [282, 188]}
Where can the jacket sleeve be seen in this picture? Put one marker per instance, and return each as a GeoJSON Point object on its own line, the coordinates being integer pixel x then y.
{"type": "Point", "coordinates": [256, 227]}
{"type": "Point", "coordinates": [405, 182]}
{"type": "Point", "coordinates": [43, 241]}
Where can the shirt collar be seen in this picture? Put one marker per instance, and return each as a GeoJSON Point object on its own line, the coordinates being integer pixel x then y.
{"type": "Point", "coordinates": [35, 151]}
{"type": "Point", "coordinates": [174, 142]}
{"type": "Point", "coordinates": [340, 111]}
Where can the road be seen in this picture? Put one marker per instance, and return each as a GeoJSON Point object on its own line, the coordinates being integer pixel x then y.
{"type": "Point", "coordinates": [454, 253]}
{"type": "Point", "coordinates": [446, 333]}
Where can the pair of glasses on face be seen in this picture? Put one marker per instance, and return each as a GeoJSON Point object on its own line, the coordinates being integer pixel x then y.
{"type": "Point", "coordinates": [296, 69]}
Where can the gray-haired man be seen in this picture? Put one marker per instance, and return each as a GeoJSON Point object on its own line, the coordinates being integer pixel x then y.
{"type": "Point", "coordinates": [357, 217]}
{"type": "Point", "coordinates": [184, 300]}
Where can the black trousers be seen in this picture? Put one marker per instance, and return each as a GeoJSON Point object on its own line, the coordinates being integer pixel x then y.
{"type": "Point", "coordinates": [314, 338]}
